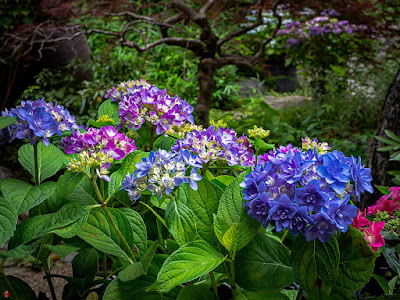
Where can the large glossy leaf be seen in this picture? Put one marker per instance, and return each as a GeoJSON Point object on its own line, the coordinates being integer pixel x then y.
{"type": "Point", "coordinates": [139, 232]}
{"type": "Point", "coordinates": [249, 295]}
{"type": "Point", "coordinates": [85, 264]}
{"type": "Point", "coordinates": [109, 108]}
{"type": "Point", "coordinates": [83, 194]}
{"type": "Point", "coordinates": [67, 183]}
{"type": "Point", "coordinates": [357, 261]}
{"type": "Point", "coordinates": [180, 222]}
{"type": "Point", "coordinates": [25, 196]}
{"type": "Point", "coordinates": [98, 232]}
{"type": "Point", "coordinates": [8, 220]}
{"type": "Point", "coordinates": [22, 289]}
{"type": "Point", "coordinates": [189, 262]}
{"type": "Point", "coordinates": [50, 159]}
{"type": "Point", "coordinates": [203, 203]}
{"type": "Point", "coordinates": [196, 292]}
{"type": "Point", "coordinates": [263, 265]}
{"type": "Point", "coordinates": [316, 265]}
{"type": "Point", "coordinates": [231, 210]}
{"type": "Point", "coordinates": [131, 272]}
{"type": "Point", "coordinates": [33, 229]}
{"type": "Point", "coordinates": [164, 142]}
{"type": "Point", "coordinates": [127, 166]}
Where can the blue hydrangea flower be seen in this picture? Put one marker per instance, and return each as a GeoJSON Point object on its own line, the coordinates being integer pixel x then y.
{"type": "Point", "coordinates": [322, 227]}
{"type": "Point", "coordinates": [282, 212]}
{"type": "Point", "coordinates": [341, 213]}
{"type": "Point", "coordinates": [361, 176]}
{"type": "Point", "coordinates": [335, 172]}
{"type": "Point", "coordinates": [300, 220]}
{"type": "Point", "coordinates": [145, 165]}
{"type": "Point", "coordinates": [311, 196]}
{"type": "Point", "coordinates": [259, 209]}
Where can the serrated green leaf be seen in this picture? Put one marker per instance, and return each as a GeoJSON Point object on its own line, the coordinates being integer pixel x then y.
{"type": "Point", "coordinates": [127, 166]}
{"type": "Point", "coordinates": [357, 261]}
{"type": "Point", "coordinates": [391, 258]}
{"type": "Point", "coordinates": [85, 264]}
{"type": "Point", "coordinates": [315, 265]}
{"type": "Point", "coordinates": [392, 135]}
{"type": "Point", "coordinates": [139, 232]}
{"type": "Point", "coordinates": [7, 121]}
{"type": "Point", "coordinates": [203, 203]}
{"type": "Point", "coordinates": [164, 142]}
{"type": "Point", "coordinates": [148, 256]}
{"type": "Point", "coordinates": [263, 265]}
{"type": "Point", "coordinates": [229, 239]}
{"type": "Point", "coordinates": [109, 108]}
{"type": "Point", "coordinates": [25, 196]}
{"type": "Point", "coordinates": [231, 209]}
{"type": "Point", "coordinates": [70, 230]}
{"type": "Point", "coordinates": [131, 272]}
{"type": "Point", "coordinates": [64, 249]}
{"type": "Point", "coordinates": [8, 220]}
{"type": "Point", "coordinates": [50, 159]}
{"type": "Point", "coordinates": [223, 181]}
{"type": "Point", "coordinates": [33, 229]}
{"type": "Point", "coordinates": [83, 194]}
{"type": "Point", "coordinates": [67, 183]}
{"type": "Point", "coordinates": [98, 232]}
{"type": "Point", "coordinates": [189, 262]}
{"type": "Point", "coordinates": [99, 124]}
{"type": "Point", "coordinates": [220, 227]}
{"type": "Point", "coordinates": [180, 222]}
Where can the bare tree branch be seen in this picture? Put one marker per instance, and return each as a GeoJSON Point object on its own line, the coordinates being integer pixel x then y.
{"type": "Point", "coordinates": [206, 7]}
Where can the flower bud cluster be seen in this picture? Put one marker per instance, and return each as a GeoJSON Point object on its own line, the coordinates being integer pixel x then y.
{"type": "Point", "coordinates": [326, 23]}
{"type": "Point", "coordinates": [219, 145]}
{"type": "Point", "coordinates": [37, 119]}
{"type": "Point", "coordinates": [218, 124]}
{"type": "Point", "coordinates": [305, 191]}
{"type": "Point", "coordinates": [181, 131]}
{"type": "Point", "coordinates": [321, 148]}
{"type": "Point", "coordinates": [140, 101]}
{"type": "Point", "coordinates": [161, 172]}
{"type": "Point", "coordinates": [87, 161]}
{"type": "Point", "coordinates": [258, 132]}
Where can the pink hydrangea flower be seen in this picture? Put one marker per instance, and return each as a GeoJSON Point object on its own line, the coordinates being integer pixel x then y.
{"type": "Point", "coordinates": [360, 221]}
{"type": "Point", "coordinates": [373, 235]}
{"type": "Point", "coordinates": [395, 193]}
{"type": "Point", "coordinates": [384, 204]}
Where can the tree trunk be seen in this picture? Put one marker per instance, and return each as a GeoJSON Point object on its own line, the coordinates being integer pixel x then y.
{"type": "Point", "coordinates": [204, 97]}
{"type": "Point", "coordinates": [379, 161]}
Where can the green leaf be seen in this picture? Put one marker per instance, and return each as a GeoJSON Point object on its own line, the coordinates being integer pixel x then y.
{"type": "Point", "coordinates": [127, 166]}
{"type": "Point", "coordinates": [7, 121]}
{"type": "Point", "coordinates": [139, 232]}
{"type": "Point", "coordinates": [33, 229]}
{"type": "Point", "coordinates": [180, 222]}
{"type": "Point", "coordinates": [195, 292]}
{"type": "Point", "coordinates": [99, 124]}
{"type": "Point", "coordinates": [164, 143]}
{"type": "Point", "coordinates": [85, 264]}
{"type": "Point", "coordinates": [8, 220]}
{"type": "Point", "coordinates": [71, 230]}
{"type": "Point", "coordinates": [83, 194]}
{"type": "Point", "coordinates": [357, 261]}
{"type": "Point", "coordinates": [392, 135]}
{"type": "Point", "coordinates": [98, 232]}
{"type": "Point", "coordinates": [189, 262]}
{"type": "Point", "coordinates": [383, 189]}
{"type": "Point", "coordinates": [203, 203]}
{"type": "Point", "coordinates": [386, 148]}
{"type": "Point", "coordinates": [50, 159]}
{"type": "Point", "coordinates": [223, 181]}
{"type": "Point", "coordinates": [229, 239]}
{"type": "Point", "coordinates": [391, 258]}
{"type": "Point", "coordinates": [249, 295]}
{"type": "Point", "coordinates": [220, 227]}
{"type": "Point", "coordinates": [148, 256]}
{"type": "Point", "coordinates": [22, 289]}
{"type": "Point", "coordinates": [131, 272]}
{"type": "Point", "coordinates": [397, 157]}
{"type": "Point", "coordinates": [67, 183]}
{"type": "Point", "coordinates": [64, 249]}
{"type": "Point", "coordinates": [25, 196]}
{"type": "Point", "coordinates": [382, 283]}
{"type": "Point", "coordinates": [261, 145]}
{"type": "Point", "coordinates": [315, 265]}
{"type": "Point", "coordinates": [263, 265]}
{"type": "Point", "coordinates": [231, 209]}
{"type": "Point", "coordinates": [109, 108]}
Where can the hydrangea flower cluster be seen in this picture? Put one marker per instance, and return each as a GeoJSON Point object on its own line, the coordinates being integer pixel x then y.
{"type": "Point", "coordinates": [38, 119]}
{"type": "Point", "coordinates": [140, 101]}
{"type": "Point", "coordinates": [219, 145]}
{"type": "Point", "coordinates": [326, 23]}
{"type": "Point", "coordinates": [370, 230]}
{"type": "Point", "coordinates": [305, 191]}
{"type": "Point", "coordinates": [97, 148]}
{"type": "Point", "coordinates": [161, 172]}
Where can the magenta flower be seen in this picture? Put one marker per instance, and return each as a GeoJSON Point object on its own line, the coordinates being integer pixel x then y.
{"type": "Point", "coordinates": [384, 204]}
{"type": "Point", "coordinates": [373, 235]}
{"type": "Point", "coordinates": [360, 222]}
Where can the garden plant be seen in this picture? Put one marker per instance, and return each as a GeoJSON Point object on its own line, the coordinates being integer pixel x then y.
{"type": "Point", "coordinates": [180, 211]}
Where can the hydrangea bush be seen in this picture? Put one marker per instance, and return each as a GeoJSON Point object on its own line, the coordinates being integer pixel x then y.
{"type": "Point", "coordinates": [179, 210]}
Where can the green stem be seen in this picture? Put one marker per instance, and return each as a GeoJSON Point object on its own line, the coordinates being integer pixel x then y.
{"type": "Point", "coordinates": [7, 281]}
{"type": "Point", "coordinates": [285, 232]}
{"type": "Point", "coordinates": [152, 131]}
{"type": "Point", "coordinates": [50, 283]}
{"type": "Point", "coordinates": [299, 294]}
{"type": "Point", "coordinates": [35, 159]}
{"type": "Point", "coordinates": [256, 157]}
{"type": "Point", "coordinates": [159, 232]}
{"type": "Point", "coordinates": [115, 271]}
{"type": "Point", "coordinates": [214, 284]}
{"type": "Point", "coordinates": [105, 266]}
{"type": "Point", "coordinates": [111, 220]}
{"type": "Point", "coordinates": [232, 275]}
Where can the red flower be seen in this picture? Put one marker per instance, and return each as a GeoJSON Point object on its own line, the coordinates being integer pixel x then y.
{"type": "Point", "coordinates": [384, 204]}
{"type": "Point", "coordinates": [395, 193]}
{"type": "Point", "coordinates": [373, 235]}
{"type": "Point", "coordinates": [360, 221]}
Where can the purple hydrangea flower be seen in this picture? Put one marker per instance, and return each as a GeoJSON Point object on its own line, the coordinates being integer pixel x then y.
{"type": "Point", "coordinates": [282, 212]}
{"type": "Point", "coordinates": [311, 196]}
{"type": "Point", "coordinates": [334, 172]}
{"type": "Point", "coordinates": [361, 177]}
{"type": "Point", "coordinates": [341, 213]}
{"type": "Point", "coordinates": [322, 227]}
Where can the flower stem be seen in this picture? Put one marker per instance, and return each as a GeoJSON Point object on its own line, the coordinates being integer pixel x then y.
{"type": "Point", "coordinates": [299, 294]}
{"type": "Point", "coordinates": [50, 283]}
{"type": "Point", "coordinates": [285, 232]}
{"type": "Point", "coordinates": [214, 284]}
{"type": "Point", "coordinates": [152, 131]}
{"type": "Point", "coordinates": [7, 282]}
{"type": "Point", "coordinates": [35, 159]}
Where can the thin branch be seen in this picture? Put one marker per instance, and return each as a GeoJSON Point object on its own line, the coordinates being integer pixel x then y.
{"type": "Point", "coordinates": [206, 7]}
